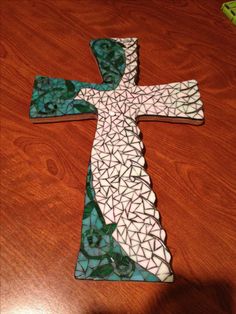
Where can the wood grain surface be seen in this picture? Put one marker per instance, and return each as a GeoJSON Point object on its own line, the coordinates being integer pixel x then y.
{"type": "Point", "coordinates": [44, 166]}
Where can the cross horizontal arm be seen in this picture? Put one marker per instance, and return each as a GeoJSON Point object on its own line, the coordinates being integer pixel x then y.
{"type": "Point", "coordinates": [53, 99]}
{"type": "Point", "coordinates": [169, 101]}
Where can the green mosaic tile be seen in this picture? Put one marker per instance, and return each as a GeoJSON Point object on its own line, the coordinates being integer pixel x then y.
{"type": "Point", "coordinates": [53, 97]}
{"type": "Point", "coordinates": [101, 257]}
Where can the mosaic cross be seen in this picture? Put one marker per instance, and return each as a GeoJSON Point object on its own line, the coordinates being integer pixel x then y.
{"type": "Point", "coordinates": [122, 237]}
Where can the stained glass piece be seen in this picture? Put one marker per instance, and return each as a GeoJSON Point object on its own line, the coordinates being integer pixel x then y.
{"type": "Point", "coordinates": [55, 97]}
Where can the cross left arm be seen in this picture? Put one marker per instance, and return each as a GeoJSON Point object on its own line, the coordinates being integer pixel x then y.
{"type": "Point", "coordinates": [170, 102]}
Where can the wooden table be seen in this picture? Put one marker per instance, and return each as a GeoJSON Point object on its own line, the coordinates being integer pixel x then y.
{"type": "Point", "coordinates": [44, 166]}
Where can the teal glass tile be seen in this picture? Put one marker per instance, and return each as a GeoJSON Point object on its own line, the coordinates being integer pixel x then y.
{"type": "Point", "coordinates": [101, 257]}
{"type": "Point", "coordinates": [54, 97]}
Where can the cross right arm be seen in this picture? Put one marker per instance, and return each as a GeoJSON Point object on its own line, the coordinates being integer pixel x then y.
{"type": "Point", "coordinates": [170, 101]}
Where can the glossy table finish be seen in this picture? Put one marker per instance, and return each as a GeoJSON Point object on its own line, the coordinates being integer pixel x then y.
{"type": "Point", "coordinates": [44, 166]}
